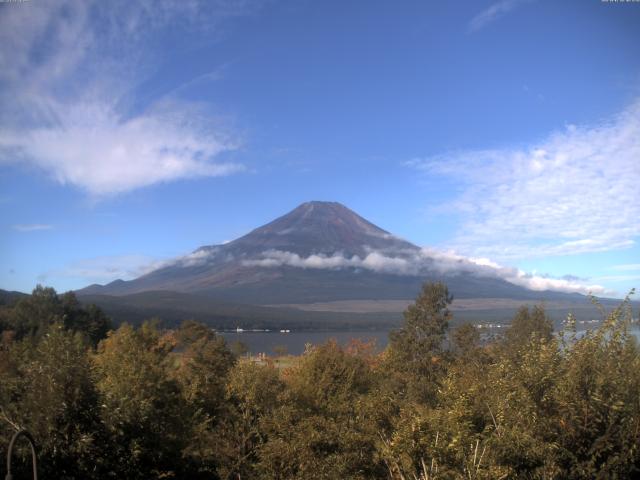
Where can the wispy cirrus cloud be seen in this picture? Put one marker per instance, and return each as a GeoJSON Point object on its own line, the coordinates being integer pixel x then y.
{"type": "Point", "coordinates": [103, 154]}
{"type": "Point", "coordinates": [31, 227]}
{"type": "Point", "coordinates": [618, 278]}
{"type": "Point", "coordinates": [573, 192]}
{"type": "Point", "coordinates": [68, 73]}
{"type": "Point", "coordinates": [493, 13]}
{"type": "Point", "coordinates": [629, 272]}
{"type": "Point", "coordinates": [107, 268]}
{"type": "Point", "coordinates": [104, 269]}
{"type": "Point", "coordinates": [632, 267]}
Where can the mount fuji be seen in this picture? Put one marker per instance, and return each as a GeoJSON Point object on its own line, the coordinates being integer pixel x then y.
{"type": "Point", "coordinates": [321, 256]}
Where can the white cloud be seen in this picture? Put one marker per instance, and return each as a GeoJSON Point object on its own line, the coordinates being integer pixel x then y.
{"type": "Point", "coordinates": [494, 12]}
{"type": "Point", "coordinates": [574, 192]}
{"type": "Point", "coordinates": [540, 283]}
{"type": "Point", "coordinates": [425, 261]}
{"type": "Point", "coordinates": [103, 154]}
{"type": "Point", "coordinates": [375, 261]}
{"type": "Point", "coordinates": [105, 269]}
{"type": "Point", "coordinates": [201, 257]}
{"type": "Point", "coordinates": [450, 262]}
{"type": "Point", "coordinates": [31, 227]}
{"type": "Point", "coordinates": [69, 71]}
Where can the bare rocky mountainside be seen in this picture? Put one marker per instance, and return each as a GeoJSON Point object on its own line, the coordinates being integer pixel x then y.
{"type": "Point", "coordinates": [321, 253]}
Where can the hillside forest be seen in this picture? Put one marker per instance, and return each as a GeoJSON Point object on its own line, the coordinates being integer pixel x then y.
{"type": "Point", "coordinates": [147, 402]}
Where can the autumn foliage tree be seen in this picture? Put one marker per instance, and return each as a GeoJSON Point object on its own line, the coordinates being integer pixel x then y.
{"type": "Point", "coordinates": [153, 403]}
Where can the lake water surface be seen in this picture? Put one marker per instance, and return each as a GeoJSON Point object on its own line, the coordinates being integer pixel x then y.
{"type": "Point", "coordinates": [294, 342]}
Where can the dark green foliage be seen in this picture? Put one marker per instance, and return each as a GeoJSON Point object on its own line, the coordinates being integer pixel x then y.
{"type": "Point", "coordinates": [89, 320]}
{"type": "Point", "coordinates": [33, 314]}
{"type": "Point", "coordinates": [416, 351]}
{"type": "Point", "coordinates": [527, 324]}
{"type": "Point", "coordinates": [465, 339]}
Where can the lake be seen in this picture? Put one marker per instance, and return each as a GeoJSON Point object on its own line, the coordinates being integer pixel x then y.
{"type": "Point", "coordinates": [294, 342]}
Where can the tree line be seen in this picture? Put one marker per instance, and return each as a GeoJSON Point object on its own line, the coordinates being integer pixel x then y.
{"type": "Point", "coordinates": [438, 403]}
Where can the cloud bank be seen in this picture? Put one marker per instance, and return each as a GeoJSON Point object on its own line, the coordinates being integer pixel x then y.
{"type": "Point", "coordinates": [427, 262]}
{"type": "Point", "coordinates": [450, 262]}
{"type": "Point", "coordinates": [375, 261]}
{"type": "Point", "coordinates": [574, 192]}
{"type": "Point", "coordinates": [69, 72]}
{"type": "Point", "coordinates": [424, 262]}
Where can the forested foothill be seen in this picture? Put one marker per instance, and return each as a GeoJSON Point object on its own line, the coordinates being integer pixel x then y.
{"type": "Point", "coordinates": [148, 402]}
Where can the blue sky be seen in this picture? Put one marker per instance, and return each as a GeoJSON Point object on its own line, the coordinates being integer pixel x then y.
{"type": "Point", "coordinates": [135, 132]}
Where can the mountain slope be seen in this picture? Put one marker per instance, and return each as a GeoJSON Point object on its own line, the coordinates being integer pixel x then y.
{"type": "Point", "coordinates": [10, 297]}
{"type": "Point", "coordinates": [174, 307]}
{"type": "Point", "coordinates": [320, 251]}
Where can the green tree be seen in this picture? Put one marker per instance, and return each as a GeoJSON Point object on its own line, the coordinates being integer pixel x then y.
{"type": "Point", "coordinates": [465, 340]}
{"type": "Point", "coordinates": [417, 352]}
{"type": "Point", "coordinates": [89, 320]}
{"type": "Point", "coordinates": [527, 323]}
{"type": "Point", "coordinates": [33, 315]}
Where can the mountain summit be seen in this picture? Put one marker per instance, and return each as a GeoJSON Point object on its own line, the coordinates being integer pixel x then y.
{"type": "Point", "coordinates": [318, 252]}
{"type": "Point", "coordinates": [318, 228]}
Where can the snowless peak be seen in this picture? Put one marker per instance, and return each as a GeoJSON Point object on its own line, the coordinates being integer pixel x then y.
{"type": "Point", "coordinates": [321, 227]}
